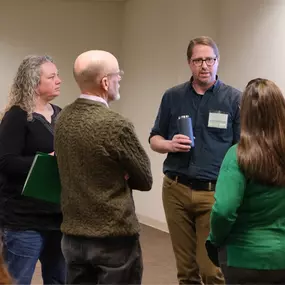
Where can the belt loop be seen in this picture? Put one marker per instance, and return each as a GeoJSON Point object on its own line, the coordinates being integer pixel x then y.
{"type": "Point", "coordinates": [176, 179]}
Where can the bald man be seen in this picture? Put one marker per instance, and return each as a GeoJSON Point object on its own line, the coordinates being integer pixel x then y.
{"type": "Point", "coordinates": [100, 161]}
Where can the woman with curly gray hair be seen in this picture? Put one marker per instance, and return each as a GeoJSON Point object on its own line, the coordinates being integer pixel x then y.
{"type": "Point", "coordinates": [31, 227]}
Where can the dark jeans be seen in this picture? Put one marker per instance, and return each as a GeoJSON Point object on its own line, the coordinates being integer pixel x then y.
{"type": "Point", "coordinates": [23, 249]}
{"type": "Point", "coordinates": [235, 275]}
{"type": "Point", "coordinates": [102, 260]}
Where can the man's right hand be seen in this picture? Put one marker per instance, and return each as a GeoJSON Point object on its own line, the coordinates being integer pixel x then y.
{"type": "Point", "coordinates": [180, 143]}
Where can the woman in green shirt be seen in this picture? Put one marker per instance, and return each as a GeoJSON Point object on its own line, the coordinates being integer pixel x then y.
{"type": "Point", "coordinates": [248, 217]}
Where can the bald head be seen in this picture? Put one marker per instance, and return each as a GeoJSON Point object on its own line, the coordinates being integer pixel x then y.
{"type": "Point", "coordinates": [91, 66]}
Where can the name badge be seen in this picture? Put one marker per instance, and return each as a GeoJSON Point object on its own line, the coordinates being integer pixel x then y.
{"type": "Point", "coordinates": [218, 120]}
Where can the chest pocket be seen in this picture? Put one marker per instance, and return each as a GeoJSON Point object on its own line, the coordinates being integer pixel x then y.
{"type": "Point", "coordinates": [223, 135]}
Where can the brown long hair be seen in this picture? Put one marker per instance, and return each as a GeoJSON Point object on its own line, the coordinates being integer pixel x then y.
{"type": "Point", "coordinates": [261, 148]}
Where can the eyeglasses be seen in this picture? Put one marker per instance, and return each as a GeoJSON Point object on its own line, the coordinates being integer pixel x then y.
{"type": "Point", "coordinates": [199, 61]}
{"type": "Point", "coordinates": [118, 73]}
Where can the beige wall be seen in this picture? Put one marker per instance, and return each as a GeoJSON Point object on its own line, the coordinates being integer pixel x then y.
{"type": "Point", "coordinates": [62, 29]}
{"type": "Point", "coordinates": [252, 40]}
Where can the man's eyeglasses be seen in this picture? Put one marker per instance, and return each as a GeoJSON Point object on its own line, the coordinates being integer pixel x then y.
{"type": "Point", "coordinates": [118, 73]}
{"type": "Point", "coordinates": [199, 61]}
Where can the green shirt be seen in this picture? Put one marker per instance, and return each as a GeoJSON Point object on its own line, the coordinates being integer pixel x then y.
{"type": "Point", "coordinates": [248, 219]}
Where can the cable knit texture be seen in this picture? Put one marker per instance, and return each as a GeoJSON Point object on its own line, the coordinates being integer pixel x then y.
{"type": "Point", "coordinates": [96, 147]}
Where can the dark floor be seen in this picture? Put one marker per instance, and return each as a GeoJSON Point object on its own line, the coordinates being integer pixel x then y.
{"type": "Point", "coordinates": [159, 263]}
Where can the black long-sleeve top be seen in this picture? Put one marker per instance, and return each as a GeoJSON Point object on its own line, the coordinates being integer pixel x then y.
{"type": "Point", "coordinates": [20, 140]}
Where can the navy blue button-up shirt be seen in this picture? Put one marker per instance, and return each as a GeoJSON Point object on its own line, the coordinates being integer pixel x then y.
{"type": "Point", "coordinates": [211, 144]}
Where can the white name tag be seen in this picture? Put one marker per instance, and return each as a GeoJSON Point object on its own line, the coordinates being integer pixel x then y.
{"type": "Point", "coordinates": [218, 120]}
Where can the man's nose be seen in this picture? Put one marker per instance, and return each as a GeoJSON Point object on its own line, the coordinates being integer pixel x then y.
{"type": "Point", "coordinates": [204, 65]}
{"type": "Point", "coordinates": [58, 81]}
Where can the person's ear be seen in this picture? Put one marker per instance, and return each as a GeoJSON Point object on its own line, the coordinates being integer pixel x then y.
{"type": "Point", "coordinates": [218, 60]}
{"type": "Point", "coordinates": [105, 83]}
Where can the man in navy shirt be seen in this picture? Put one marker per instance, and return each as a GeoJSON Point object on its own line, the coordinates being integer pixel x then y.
{"type": "Point", "coordinates": [191, 172]}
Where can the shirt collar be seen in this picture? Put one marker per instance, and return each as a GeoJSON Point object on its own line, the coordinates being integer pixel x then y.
{"type": "Point", "coordinates": [213, 88]}
{"type": "Point", "coordinates": [94, 98]}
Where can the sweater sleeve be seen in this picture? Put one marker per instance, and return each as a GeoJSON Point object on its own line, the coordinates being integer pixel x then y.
{"type": "Point", "coordinates": [12, 143]}
{"type": "Point", "coordinates": [229, 195]}
{"type": "Point", "coordinates": [134, 159]}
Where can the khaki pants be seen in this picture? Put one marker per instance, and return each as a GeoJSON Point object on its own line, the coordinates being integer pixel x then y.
{"type": "Point", "coordinates": [188, 217]}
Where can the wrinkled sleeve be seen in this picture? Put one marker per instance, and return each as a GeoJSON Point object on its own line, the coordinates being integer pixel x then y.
{"type": "Point", "coordinates": [134, 160]}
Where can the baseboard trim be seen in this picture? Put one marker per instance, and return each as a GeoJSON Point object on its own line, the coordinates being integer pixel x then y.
{"type": "Point", "coordinates": [153, 223]}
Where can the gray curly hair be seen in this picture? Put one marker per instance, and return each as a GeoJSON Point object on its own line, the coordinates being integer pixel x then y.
{"type": "Point", "coordinates": [26, 81]}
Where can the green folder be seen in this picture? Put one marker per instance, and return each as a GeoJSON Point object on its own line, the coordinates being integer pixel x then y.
{"type": "Point", "coordinates": [43, 180]}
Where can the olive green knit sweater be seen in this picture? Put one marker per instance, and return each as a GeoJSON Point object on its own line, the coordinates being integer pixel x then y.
{"type": "Point", "coordinates": [96, 147]}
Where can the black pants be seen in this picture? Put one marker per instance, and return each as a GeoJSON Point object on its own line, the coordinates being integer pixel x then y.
{"type": "Point", "coordinates": [235, 275]}
{"type": "Point", "coordinates": [102, 260]}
